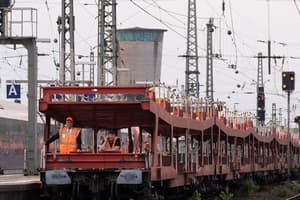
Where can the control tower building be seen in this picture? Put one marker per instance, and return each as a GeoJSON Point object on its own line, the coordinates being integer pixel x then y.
{"type": "Point", "coordinates": [140, 55]}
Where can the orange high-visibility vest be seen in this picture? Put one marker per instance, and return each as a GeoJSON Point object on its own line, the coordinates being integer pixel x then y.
{"type": "Point", "coordinates": [107, 144]}
{"type": "Point", "coordinates": [147, 147]}
{"type": "Point", "coordinates": [68, 140]}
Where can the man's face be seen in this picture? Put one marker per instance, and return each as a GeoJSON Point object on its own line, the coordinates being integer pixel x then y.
{"type": "Point", "coordinates": [110, 137]}
{"type": "Point", "coordinates": [69, 124]}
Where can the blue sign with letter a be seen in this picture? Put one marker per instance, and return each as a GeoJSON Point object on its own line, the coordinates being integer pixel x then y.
{"type": "Point", "coordinates": [13, 91]}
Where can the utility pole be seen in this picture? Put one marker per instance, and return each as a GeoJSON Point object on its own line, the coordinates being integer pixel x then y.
{"type": "Point", "coordinates": [260, 73]}
{"type": "Point", "coordinates": [269, 37]}
{"type": "Point", "coordinates": [66, 28]}
{"type": "Point", "coordinates": [260, 92]}
{"type": "Point", "coordinates": [209, 61]}
{"type": "Point", "coordinates": [274, 114]}
{"type": "Point", "coordinates": [3, 21]}
{"type": "Point", "coordinates": [92, 67]}
{"type": "Point", "coordinates": [288, 85]}
{"type": "Point", "coordinates": [280, 116]}
{"type": "Point", "coordinates": [192, 72]}
{"type": "Point", "coordinates": [288, 134]}
{"type": "Point", "coordinates": [107, 43]}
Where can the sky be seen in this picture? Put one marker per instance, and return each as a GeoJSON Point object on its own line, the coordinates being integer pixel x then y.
{"type": "Point", "coordinates": [246, 19]}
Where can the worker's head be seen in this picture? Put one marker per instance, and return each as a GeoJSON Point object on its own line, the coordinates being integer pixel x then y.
{"type": "Point", "coordinates": [69, 122]}
{"type": "Point", "coordinates": [110, 137]}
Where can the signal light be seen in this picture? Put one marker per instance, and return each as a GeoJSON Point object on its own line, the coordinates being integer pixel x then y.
{"type": "Point", "coordinates": [284, 86]}
{"type": "Point", "coordinates": [288, 81]}
{"type": "Point", "coordinates": [260, 98]}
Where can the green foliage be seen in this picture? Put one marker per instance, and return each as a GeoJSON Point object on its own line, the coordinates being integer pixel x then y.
{"type": "Point", "coordinates": [196, 196]}
{"type": "Point", "coordinates": [246, 187]}
{"type": "Point", "coordinates": [249, 186]}
{"type": "Point", "coordinates": [226, 195]}
{"type": "Point", "coordinates": [296, 186]}
{"type": "Point", "coordinates": [280, 191]}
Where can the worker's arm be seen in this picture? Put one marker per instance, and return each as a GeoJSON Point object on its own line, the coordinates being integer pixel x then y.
{"type": "Point", "coordinates": [103, 141]}
{"type": "Point", "coordinates": [52, 138]}
{"type": "Point", "coordinates": [78, 141]}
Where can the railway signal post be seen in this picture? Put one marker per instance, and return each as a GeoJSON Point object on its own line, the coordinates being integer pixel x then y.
{"type": "Point", "coordinates": [288, 85]}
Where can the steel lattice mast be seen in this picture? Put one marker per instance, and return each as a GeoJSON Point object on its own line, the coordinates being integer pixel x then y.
{"type": "Point", "coordinates": [209, 61]}
{"type": "Point", "coordinates": [67, 50]}
{"type": "Point", "coordinates": [274, 114]}
{"type": "Point", "coordinates": [107, 43]}
{"type": "Point", "coordinates": [260, 91]}
{"type": "Point", "coordinates": [260, 75]}
{"type": "Point", "coordinates": [192, 71]}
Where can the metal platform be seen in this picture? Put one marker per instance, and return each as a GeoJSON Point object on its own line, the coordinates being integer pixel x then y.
{"type": "Point", "coordinates": [19, 187]}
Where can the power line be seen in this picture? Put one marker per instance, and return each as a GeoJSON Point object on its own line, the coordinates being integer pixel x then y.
{"type": "Point", "coordinates": [233, 32]}
{"type": "Point", "coordinates": [296, 5]}
{"type": "Point", "coordinates": [159, 20]}
{"type": "Point", "coordinates": [134, 14]}
{"type": "Point", "coordinates": [168, 12]}
{"type": "Point", "coordinates": [52, 31]}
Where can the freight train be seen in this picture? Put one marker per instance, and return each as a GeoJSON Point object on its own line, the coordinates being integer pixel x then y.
{"type": "Point", "coordinates": [184, 143]}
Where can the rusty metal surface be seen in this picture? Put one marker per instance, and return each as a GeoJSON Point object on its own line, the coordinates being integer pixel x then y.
{"type": "Point", "coordinates": [95, 161]}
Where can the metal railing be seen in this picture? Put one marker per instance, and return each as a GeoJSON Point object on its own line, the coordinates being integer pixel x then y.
{"type": "Point", "coordinates": [22, 22]}
{"type": "Point", "coordinates": [98, 93]}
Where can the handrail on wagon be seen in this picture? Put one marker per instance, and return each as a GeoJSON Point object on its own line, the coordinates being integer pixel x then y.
{"type": "Point", "coordinates": [47, 93]}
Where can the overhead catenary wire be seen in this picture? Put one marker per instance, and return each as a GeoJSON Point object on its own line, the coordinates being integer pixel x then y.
{"type": "Point", "coordinates": [52, 31]}
{"type": "Point", "coordinates": [233, 32]}
{"type": "Point", "coordinates": [159, 20]}
{"type": "Point", "coordinates": [134, 14]}
{"type": "Point", "coordinates": [167, 12]}
{"type": "Point", "coordinates": [297, 7]}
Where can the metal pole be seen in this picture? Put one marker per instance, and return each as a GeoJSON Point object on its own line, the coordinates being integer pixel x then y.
{"type": "Point", "coordinates": [209, 61]}
{"type": "Point", "coordinates": [3, 22]}
{"type": "Point", "coordinates": [31, 150]}
{"type": "Point", "coordinates": [62, 75]}
{"type": "Point", "coordinates": [289, 137]}
{"type": "Point", "coordinates": [82, 74]}
{"type": "Point", "coordinates": [72, 40]}
{"type": "Point", "coordinates": [92, 59]}
{"type": "Point", "coordinates": [269, 37]}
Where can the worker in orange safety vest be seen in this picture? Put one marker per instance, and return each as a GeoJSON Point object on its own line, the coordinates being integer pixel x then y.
{"type": "Point", "coordinates": [69, 138]}
{"type": "Point", "coordinates": [111, 143]}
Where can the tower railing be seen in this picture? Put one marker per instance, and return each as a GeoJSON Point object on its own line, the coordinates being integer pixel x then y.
{"type": "Point", "coordinates": [22, 22]}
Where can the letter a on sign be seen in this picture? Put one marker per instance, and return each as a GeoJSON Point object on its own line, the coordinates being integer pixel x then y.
{"type": "Point", "coordinates": [13, 91]}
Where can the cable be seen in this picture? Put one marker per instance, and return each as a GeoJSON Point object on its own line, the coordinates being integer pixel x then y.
{"type": "Point", "coordinates": [233, 36]}
{"type": "Point", "coordinates": [52, 31]}
{"type": "Point", "coordinates": [296, 5]}
{"type": "Point", "coordinates": [134, 14]}
{"type": "Point", "coordinates": [223, 8]}
{"type": "Point", "coordinates": [233, 32]}
{"type": "Point", "coordinates": [168, 12]}
{"type": "Point", "coordinates": [159, 20]}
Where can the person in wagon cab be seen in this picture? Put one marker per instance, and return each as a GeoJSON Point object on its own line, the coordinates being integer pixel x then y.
{"type": "Point", "coordinates": [69, 138]}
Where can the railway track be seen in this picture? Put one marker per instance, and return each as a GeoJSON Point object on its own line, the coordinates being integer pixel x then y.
{"type": "Point", "coordinates": [296, 197]}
